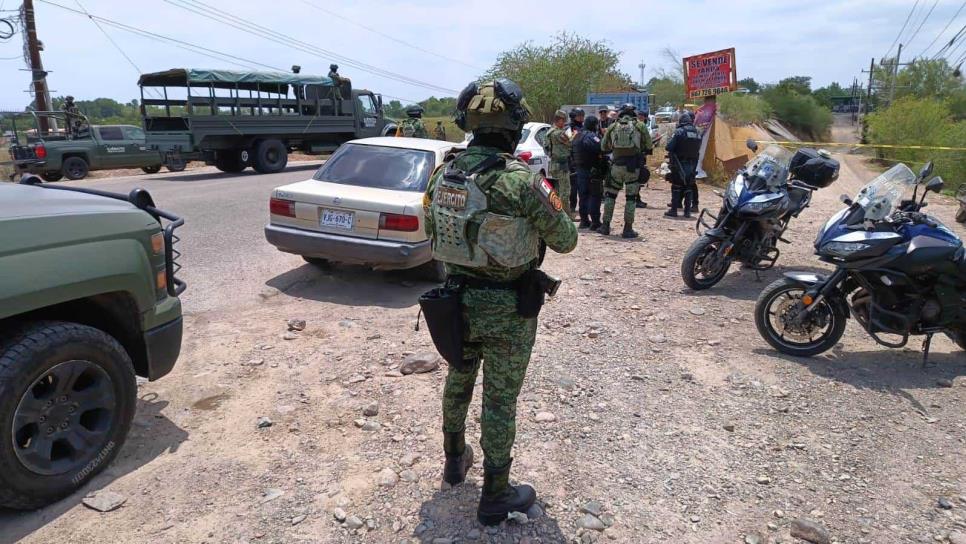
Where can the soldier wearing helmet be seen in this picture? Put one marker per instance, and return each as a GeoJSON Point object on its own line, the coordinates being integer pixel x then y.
{"type": "Point", "coordinates": [629, 140]}
{"type": "Point", "coordinates": [489, 217]}
{"type": "Point", "coordinates": [576, 127]}
{"type": "Point", "coordinates": [558, 147]}
{"type": "Point", "coordinates": [412, 126]}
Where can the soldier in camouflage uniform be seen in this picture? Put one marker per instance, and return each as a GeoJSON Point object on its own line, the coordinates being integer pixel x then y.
{"type": "Point", "coordinates": [629, 140]}
{"type": "Point", "coordinates": [440, 132]}
{"type": "Point", "coordinates": [487, 214]}
{"type": "Point", "coordinates": [558, 150]}
{"type": "Point", "coordinates": [412, 126]}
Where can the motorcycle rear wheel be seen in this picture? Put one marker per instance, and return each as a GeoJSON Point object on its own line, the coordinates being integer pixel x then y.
{"type": "Point", "coordinates": [701, 269]}
{"type": "Point", "coordinates": [779, 302]}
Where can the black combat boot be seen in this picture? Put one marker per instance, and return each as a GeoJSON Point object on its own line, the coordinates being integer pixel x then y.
{"type": "Point", "coordinates": [584, 224]}
{"type": "Point", "coordinates": [673, 212]}
{"type": "Point", "coordinates": [640, 204]}
{"type": "Point", "coordinates": [629, 233]}
{"type": "Point", "coordinates": [499, 498]}
{"type": "Point", "coordinates": [595, 226]}
{"type": "Point", "coordinates": [604, 229]}
{"type": "Point", "coordinates": [459, 458]}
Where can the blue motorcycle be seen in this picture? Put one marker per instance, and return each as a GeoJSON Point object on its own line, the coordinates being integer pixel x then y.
{"type": "Point", "coordinates": [898, 271]}
{"type": "Point", "coordinates": [772, 189]}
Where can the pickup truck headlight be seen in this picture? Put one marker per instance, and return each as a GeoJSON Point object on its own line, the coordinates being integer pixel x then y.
{"type": "Point", "coordinates": [157, 243]}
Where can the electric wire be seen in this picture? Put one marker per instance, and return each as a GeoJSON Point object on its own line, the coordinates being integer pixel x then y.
{"type": "Point", "coordinates": [924, 19]}
{"type": "Point", "coordinates": [901, 30]}
{"type": "Point", "coordinates": [954, 43]}
{"type": "Point", "coordinates": [200, 8]}
{"type": "Point", "coordinates": [387, 36]}
{"type": "Point", "coordinates": [943, 31]}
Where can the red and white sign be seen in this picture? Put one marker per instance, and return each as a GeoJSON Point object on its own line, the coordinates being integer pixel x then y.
{"type": "Point", "coordinates": [711, 74]}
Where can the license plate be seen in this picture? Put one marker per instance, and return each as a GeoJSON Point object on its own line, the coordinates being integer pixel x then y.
{"type": "Point", "coordinates": [337, 219]}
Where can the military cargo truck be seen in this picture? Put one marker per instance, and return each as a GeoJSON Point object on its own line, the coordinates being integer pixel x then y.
{"type": "Point", "coordinates": [234, 120]}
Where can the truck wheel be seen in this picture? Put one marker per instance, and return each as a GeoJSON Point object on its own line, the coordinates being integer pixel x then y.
{"type": "Point", "coordinates": [270, 157]}
{"type": "Point", "coordinates": [75, 168]}
{"type": "Point", "coordinates": [151, 169]}
{"type": "Point", "coordinates": [52, 176]}
{"type": "Point", "coordinates": [231, 161]}
{"type": "Point", "coordinates": [176, 165]}
{"type": "Point", "coordinates": [67, 397]}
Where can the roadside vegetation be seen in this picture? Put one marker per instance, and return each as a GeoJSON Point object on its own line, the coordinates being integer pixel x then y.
{"type": "Point", "coordinates": [744, 109]}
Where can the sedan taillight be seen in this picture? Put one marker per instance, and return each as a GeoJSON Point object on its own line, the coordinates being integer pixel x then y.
{"type": "Point", "coordinates": [403, 223]}
{"type": "Point", "coordinates": [278, 206]}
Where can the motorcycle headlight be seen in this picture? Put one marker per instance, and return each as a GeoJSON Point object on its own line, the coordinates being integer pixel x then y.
{"type": "Point", "coordinates": [843, 249]}
{"type": "Point", "coordinates": [734, 190]}
{"type": "Point", "coordinates": [759, 205]}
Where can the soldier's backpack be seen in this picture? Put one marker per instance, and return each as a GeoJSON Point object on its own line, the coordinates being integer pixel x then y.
{"type": "Point", "coordinates": [409, 127]}
{"type": "Point", "coordinates": [625, 135]}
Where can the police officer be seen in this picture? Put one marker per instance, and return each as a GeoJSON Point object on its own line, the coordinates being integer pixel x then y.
{"type": "Point", "coordinates": [440, 132]}
{"type": "Point", "coordinates": [683, 150]}
{"type": "Point", "coordinates": [629, 140]}
{"type": "Point", "coordinates": [412, 126]}
{"type": "Point", "coordinates": [487, 215]}
{"type": "Point", "coordinates": [592, 168]}
{"type": "Point", "coordinates": [558, 149]}
{"type": "Point", "coordinates": [576, 126]}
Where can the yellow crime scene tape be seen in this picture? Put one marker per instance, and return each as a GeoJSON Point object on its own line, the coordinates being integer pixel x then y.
{"type": "Point", "coordinates": [878, 146]}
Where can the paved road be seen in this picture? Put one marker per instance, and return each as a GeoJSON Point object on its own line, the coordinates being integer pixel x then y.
{"type": "Point", "coordinates": [225, 255]}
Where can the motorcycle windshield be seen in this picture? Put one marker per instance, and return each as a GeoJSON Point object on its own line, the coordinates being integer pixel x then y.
{"type": "Point", "coordinates": [768, 171]}
{"type": "Point", "coordinates": [882, 196]}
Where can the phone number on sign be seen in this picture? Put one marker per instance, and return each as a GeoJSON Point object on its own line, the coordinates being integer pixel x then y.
{"type": "Point", "coordinates": [709, 92]}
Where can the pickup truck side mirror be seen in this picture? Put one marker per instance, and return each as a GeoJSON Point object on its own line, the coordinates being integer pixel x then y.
{"type": "Point", "coordinates": [752, 145]}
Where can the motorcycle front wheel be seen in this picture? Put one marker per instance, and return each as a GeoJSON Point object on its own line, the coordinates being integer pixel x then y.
{"type": "Point", "coordinates": [777, 316]}
{"type": "Point", "coordinates": [702, 268]}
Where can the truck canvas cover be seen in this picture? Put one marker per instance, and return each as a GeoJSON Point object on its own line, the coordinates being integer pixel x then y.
{"type": "Point", "coordinates": [275, 82]}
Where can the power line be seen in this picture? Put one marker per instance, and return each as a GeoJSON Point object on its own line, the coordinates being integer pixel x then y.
{"type": "Point", "coordinates": [197, 49]}
{"type": "Point", "coordinates": [947, 48]}
{"type": "Point", "coordinates": [234, 21]}
{"type": "Point", "coordinates": [903, 29]}
{"type": "Point", "coordinates": [924, 19]}
{"type": "Point", "coordinates": [387, 36]}
{"type": "Point", "coordinates": [945, 28]}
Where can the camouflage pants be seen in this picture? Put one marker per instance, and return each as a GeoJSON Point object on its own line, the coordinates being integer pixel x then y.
{"type": "Point", "coordinates": [498, 336]}
{"type": "Point", "coordinates": [560, 171]}
{"type": "Point", "coordinates": [621, 178]}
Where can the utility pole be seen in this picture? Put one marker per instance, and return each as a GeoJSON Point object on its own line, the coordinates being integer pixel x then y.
{"type": "Point", "coordinates": [895, 75]}
{"type": "Point", "coordinates": [38, 75]}
{"type": "Point", "coordinates": [642, 66]}
{"type": "Point", "coordinates": [868, 99]}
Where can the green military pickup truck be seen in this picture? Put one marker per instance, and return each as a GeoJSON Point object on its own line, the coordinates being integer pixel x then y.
{"type": "Point", "coordinates": [73, 152]}
{"type": "Point", "coordinates": [88, 300]}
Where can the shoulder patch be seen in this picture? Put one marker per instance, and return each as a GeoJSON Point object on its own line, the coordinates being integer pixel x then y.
{"type": "Point", "coordinates": [546, 194]}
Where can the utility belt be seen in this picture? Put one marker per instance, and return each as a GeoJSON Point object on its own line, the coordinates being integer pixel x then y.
{"type": "Point", "coordinates": [443, 307]}
{"type": "Point", "coordinates": [631, 162]}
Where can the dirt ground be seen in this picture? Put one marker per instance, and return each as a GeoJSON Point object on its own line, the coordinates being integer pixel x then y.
{"type": "Point", "coordinates": [666, 407]}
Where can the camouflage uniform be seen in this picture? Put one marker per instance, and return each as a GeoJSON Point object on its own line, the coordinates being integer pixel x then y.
{"type": "Point", "coordinates": [494, 332]}
{"type": "Point", "coordinates": [624, 171]}
{"type": "Point", "coordinates": [414, 127]}
{"type": "Point", "coordinates": [440, 132]}
{"type": "Point", "coordinates": [558, 149]}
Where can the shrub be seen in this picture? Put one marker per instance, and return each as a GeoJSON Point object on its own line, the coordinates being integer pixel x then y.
{"type": "Point", "coordinates": [800, 112]}
{"type": "Point", "coordinates": [743, 109]}
{"type": "Point", "coordinates": [914, 121]}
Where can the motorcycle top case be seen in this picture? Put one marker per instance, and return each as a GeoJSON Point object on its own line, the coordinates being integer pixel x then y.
{"type": "Point", "coordinates": [820, 173]}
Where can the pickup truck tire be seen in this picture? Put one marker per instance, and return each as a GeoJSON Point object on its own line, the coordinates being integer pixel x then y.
{"type": "Point", "coordinates": [230, 161]}
{"type": "Point", "coordinates": [151, 169]}
{"type": "Point", "coordinates": [52, 176]}
{"type": "Point", "coordinates": [270, 157]}
{"type": "Point", "coordinates": [75, 168]}
{"type": "Point", "coordinates": [67, 398]}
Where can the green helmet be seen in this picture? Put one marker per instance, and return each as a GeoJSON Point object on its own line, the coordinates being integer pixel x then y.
{"type": "Point", "coordinates": [492, 107]}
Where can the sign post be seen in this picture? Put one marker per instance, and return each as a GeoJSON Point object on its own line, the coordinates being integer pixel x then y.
{"type": "Point", "coordinates": [710, 74]}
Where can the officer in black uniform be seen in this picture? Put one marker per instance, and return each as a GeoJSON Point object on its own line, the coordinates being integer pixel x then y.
{"type": "Point", "coordinates": [683, 150]}
{"type": "Point", "coordinates": [592, 167]}
{"type": "Point", "coordinates": [576, 125]}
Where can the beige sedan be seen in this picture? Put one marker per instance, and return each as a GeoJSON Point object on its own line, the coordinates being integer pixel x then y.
{"type": "Point", "coordinates": [363, 206]}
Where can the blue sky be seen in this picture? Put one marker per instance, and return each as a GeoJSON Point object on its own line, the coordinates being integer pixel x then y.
{"type": "Point", "coordinates": [830, 41]}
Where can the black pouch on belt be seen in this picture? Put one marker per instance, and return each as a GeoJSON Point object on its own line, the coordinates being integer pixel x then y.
{"type": "Point", "coordinates": [444, 317]}
{"type": "Point", "coordinates": [532, 288]}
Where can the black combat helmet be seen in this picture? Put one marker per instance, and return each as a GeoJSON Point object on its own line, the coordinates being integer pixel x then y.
{"type": "Point", "coordinates": [627, 109]}
{"type": "Point", "coordinates": [591, 123]}
{"type": "Point", "coordinates": [414, 111]}
{"type": "Point", "coordinates": [686, 119]}
{"type": "Point", "coordinates": [575, 113]}
{"type": "Point", "coordinates": [334, 67]}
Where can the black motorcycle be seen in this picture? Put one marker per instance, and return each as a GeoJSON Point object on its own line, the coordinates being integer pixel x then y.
{"type": "Point", "coordinates": [898, 272]}
{"type": "Point", "coordinates": [774, 187]}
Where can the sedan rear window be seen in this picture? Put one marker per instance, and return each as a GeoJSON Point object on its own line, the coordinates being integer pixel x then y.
{"type": "Point", "coordinates": [379, 167]}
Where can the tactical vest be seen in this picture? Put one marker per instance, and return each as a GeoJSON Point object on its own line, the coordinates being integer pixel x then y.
{"type": "Point", "coordinates": [558, 152]}
{"type": "Point", "coordinates": [688, 145]}
{"type": "Point", "coordinates": [466, 233]}
{"type": "Point", "coordinates": [409, 127]}
{"type": "Point", "coordinates": [625, 135]}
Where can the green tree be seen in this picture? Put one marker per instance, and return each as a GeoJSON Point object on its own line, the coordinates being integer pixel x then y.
{"type": "Point", "coordinates": [664, 90]}
{"type": "Point", "coordinates": [749, 83]}
{"type": "Point", "coordinates": [824, 95]}
{"type": "Point", "coordinates": [394, 109]}
{"type": "Point", "coordinates": [800, 84]}
{"type": "Point", "coordinates": [800, 111]}
{"type": "Point", "coordinates": [562, 72]}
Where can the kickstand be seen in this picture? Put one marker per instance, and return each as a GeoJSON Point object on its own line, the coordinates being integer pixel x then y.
{"type": "Point", "coordinates": [925, 350]}
{"type": "Point", "coordinates": [757, 276]}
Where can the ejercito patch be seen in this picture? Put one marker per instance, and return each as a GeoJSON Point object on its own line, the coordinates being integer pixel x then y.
{"type": "Point", "coordinates": [547, 194]}
{"type": "Point", "coordinates": [451, 198]}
